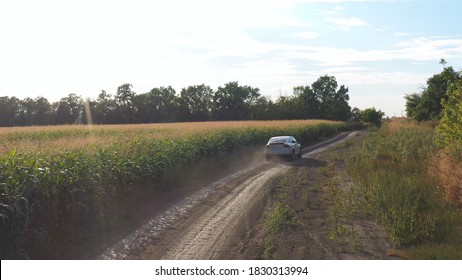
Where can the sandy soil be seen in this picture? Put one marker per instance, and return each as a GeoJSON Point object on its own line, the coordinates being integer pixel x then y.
{"type": "Point", "coordinates": [314, 184]}
{"type": "Point", "coordinates": [226, 220]}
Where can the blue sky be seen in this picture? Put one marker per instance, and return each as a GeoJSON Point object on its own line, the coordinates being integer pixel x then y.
{"type": "Point", "coordinates": [381, 50]}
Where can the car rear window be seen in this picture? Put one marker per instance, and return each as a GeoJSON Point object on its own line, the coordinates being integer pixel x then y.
{"type": "Point", "coordinates": [277, 140]}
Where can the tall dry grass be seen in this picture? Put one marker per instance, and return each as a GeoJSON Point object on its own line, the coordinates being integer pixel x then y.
{"type": "Point", "coordinates": [446, 166]}
{"type": "Point", "coordinates": [396, 182]}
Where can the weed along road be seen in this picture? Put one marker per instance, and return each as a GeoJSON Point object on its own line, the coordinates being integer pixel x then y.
{"type": "Point", "coordinates": [209, 223]}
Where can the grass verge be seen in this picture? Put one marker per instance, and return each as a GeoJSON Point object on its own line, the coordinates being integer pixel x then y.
{"type": "Point", "coordinates": [394, 185]}
{"type": "Point", "coordinates": [281, 217]}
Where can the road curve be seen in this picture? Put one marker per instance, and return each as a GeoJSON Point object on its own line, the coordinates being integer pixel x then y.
{"type": "Point", "coordinates": [199, 226]}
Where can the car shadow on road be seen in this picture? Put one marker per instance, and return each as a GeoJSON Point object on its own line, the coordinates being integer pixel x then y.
{"type": "Point", "coordinates": [305, 162]}
{"type": "Point", "coordinates": [308, 162]}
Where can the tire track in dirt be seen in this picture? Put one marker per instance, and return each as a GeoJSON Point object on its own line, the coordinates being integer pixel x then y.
{"type": "Point", "coordinates": [165, 220]}
{"type": "Point", "coordinates": [198, 226]}
{"type": "Point", "coordinates": [206, 237]}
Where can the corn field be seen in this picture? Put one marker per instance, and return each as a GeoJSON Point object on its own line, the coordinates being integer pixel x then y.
{"type": "Point", "coordinates": [59, 184]}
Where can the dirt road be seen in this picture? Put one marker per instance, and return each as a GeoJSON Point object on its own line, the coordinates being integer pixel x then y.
{"type": "Point", "coordinates": [202, 225]}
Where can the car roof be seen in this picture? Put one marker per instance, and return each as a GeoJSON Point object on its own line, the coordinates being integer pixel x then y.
{"type": "Point", "coordinates": [281, 137]}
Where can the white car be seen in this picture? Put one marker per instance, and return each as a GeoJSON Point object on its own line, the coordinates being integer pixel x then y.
{"type": "Point", "coordinates": [283, 146]}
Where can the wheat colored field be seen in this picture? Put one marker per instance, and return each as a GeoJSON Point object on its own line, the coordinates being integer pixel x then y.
{"type": "Point", "coordinates": [56, 139]}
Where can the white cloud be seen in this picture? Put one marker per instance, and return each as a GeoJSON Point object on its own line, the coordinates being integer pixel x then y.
{"type": "Point", "coordinates": [305, 35]}
{"type": "Point", "coordinates": [379, 78]}
{"type": "Point", "coordinates": [418, 49]}
{"type": "Point", "coordinates": [430, 48]}
{"type": "Point", "coordinates": [346, 22]}
{"type": "Point", "coordinates": [401, 34]}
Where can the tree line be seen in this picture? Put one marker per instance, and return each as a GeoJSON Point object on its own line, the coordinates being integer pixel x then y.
{"type": "Point", "coordinates": [440, 100]}
{"type": "Point", "coordinates": [324, 99]}
{"type": "Point", "coordinates": [428, 104]}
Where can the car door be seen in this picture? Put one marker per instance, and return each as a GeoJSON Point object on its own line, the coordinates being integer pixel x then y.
{"type": "Point", "coordinates": [297, 146]}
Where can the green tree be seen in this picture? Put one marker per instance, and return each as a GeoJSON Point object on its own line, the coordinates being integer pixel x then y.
{"type": "Point", "coordinates": [371, 115]}
{"type": "Point", "coordinates": [262, 109]}
{"type": "Point", "coordinates": [69, 109]}
{"type": "Point", "coordinates": [43, 113]}
{"type": "Point", "coordinates": [355, 114]}
{"type": "Point", "coordinates": [415, 107]}
{"type": "Point", "coordinates": [325, 100]}
{"type": "Point", "coordinates": [105, 109]}
{"type": "Point", "coordinates": [309, 102]}
{"type": "Point", "coordinates": [338, 108]}
{"type": "Point", "coordinates": [288, 107]}
{"type": "Point", "coordinates": [450, 126]}
{"type": "Point", "coordinates": [324, 89]}
{"type": "Point", "coordinates": [26, 111]}
{"type": "Point", "coordinates": [124, 100]}
{"type": "Point", "coordinates": [435, 93]}
{"type": "Point", "coordinates": [161, 104]}
{"type": "Point", "coordinates": [195, 103]}
{"type": "Point", "coordinates": [233, 102]}
{"type": "Point", "coordinates": [427, 105]}
{"type": "Point", "coordinates": [9, 110]}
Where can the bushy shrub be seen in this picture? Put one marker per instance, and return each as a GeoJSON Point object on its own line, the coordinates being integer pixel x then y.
{"type": "Point", "coordinates": [450, 127]}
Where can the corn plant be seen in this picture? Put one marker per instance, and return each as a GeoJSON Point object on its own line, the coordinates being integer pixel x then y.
{"type": "Point", "coordinates": [53, 197]}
